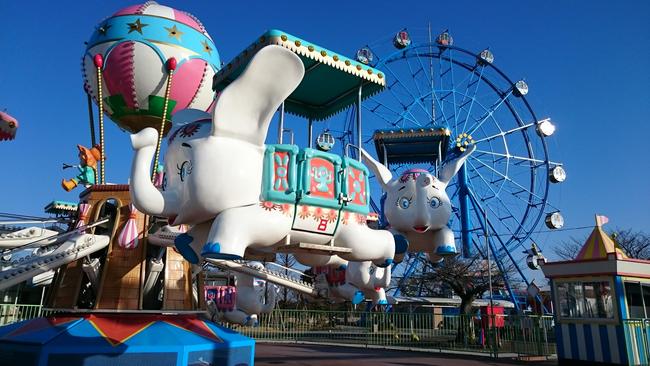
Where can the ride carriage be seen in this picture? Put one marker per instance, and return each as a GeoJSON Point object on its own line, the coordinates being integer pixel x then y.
{"type": "Point", "coordinates": [321, 188]}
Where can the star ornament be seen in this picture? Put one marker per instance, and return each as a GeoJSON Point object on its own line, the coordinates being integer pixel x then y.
{"type": "Point", "coordinates": [136, 26]}
{"type": "Point", "coordinates": [104, 28]}
{"type": "Point", "coordinates": [174, 32]}
{"type": "Point", "coordinates": [206, 47]}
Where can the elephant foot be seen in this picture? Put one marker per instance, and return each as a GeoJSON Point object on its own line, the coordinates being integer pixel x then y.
{"type": "Point", "coordinates": [401, 244]}
{"type": "Point", "coordinates": [182, 244]}
{"type": "Point", "coordinates": [213, 251]}
{"type": "Point", "coordinates": [446, 250]}
{"type": "Point", "coordinates": [358, 298]}
{"type": "Point", "coordinates": [251, 321]}
{"type": "Point", "coordinates": [386, 263]}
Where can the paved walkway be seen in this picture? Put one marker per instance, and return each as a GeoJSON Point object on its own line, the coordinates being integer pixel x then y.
{"type": "Point", "coordinates": [268, 354]}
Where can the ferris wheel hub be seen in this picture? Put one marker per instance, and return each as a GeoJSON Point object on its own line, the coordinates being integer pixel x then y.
{"type": "Point", "coordinates": [463, 141]}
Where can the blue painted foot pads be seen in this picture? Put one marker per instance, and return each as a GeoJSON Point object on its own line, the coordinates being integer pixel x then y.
{"type": "Point", "coordinates": [213, 250]}
{"type": "Point", "coordinates": [182, 244]}
{"type": "Point", "coordinates": [386, 263]}
{"type": "Point", "coordinates": [401, 244]}
{"type": "Point", "coordinates": [358, 298]}
{"type": "Point", "coordinates": [446, 250]}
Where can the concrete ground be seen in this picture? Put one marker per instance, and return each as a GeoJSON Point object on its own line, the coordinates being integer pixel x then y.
{"type": "Point", "coordinates": [268, 354]}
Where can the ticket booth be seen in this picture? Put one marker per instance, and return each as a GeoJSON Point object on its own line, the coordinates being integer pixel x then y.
{"type": "Point", "coordinates": [602, 304]}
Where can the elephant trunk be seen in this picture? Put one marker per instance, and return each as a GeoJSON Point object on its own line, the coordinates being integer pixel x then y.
{"type": "Point", "coordinates": [144, 195]}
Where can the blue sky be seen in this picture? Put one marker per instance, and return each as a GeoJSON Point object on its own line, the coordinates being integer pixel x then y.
{"type": "Point", "coordinates": [586, 64]}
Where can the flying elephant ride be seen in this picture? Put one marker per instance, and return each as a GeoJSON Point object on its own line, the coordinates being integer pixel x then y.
{"type": "Point", "coordinates": [355, 282]}
{"type": "Point", "coordinates": [275, 197]}
{"type": "Point", "coordinates": [241, 305]}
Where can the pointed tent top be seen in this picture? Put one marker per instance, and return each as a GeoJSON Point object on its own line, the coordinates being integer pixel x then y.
{"type": "Point", "coordinates": [599, 245]}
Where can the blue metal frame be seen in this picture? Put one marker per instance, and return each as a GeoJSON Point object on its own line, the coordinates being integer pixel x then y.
{"type": "Point", "coordinates": [534, 194]}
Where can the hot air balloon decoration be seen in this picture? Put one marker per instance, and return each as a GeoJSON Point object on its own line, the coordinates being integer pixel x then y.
{"type": "Point", "coordinates": [133, 55]}
{"type": "Point", "coordinates": [8, 126]}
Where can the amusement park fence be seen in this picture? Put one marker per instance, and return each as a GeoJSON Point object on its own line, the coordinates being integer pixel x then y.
{"type": "Point", "coordinates": [520, 335]}
{"type": "Point", "coordinates": [496, 334]}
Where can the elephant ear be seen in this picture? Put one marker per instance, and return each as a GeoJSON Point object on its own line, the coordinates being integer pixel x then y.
{"type": "Point", "coordinates": [381, 172]}
{"type": "Point", "coordinates": [452, 167]}
{"type": "Point", "coordinates": [244, 109]}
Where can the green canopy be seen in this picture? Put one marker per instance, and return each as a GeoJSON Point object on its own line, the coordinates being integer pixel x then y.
{"type": "Point", "coordinates": [331, 81]}
{"type": "Point", "coordinates": [61, 207]}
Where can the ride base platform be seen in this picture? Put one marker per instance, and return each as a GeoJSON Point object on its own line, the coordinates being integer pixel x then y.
{"type": "Point", "coordinates": [112, 339]}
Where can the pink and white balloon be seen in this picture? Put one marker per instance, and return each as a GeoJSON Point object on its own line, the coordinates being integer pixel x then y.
{"type": "Point", "coordinates": [136, 46]}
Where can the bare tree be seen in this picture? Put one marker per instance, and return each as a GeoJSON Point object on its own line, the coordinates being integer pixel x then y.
{"type": "Point", "coordinates": [468, 278]}
{"type": "Point", "coordinates": [288, 261]}
{"type": "Point", "coordinates": [635, 244]}
{"type": "Point", "coordinates": [568, 249]}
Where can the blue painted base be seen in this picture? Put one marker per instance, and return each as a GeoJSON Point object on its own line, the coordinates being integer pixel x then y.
{"type": "Point", "coordinates": [446, 250]}
{"type": "Point", "coordinates": [213, 250]}
{"type": "Point", "coordinates": [123, 339]}
{"type": "Point", "coordinates": [358, 298]}
{"type": "Point", "coordinates": [386, 263]}
{"type": "Point", "coordinates": [401, 244]}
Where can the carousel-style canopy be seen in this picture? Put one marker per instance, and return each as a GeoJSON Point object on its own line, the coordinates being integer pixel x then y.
{"type": "Point", "coordinates": [599, 245]}
{"type": "Point", "coordinates": [331, 81]}
{"type": "Point", "coordinates": [411, 146]}
{"type": "Point", "coordinates": [61, 208]}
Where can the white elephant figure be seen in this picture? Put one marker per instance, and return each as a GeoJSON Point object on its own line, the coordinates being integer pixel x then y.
{"type": "Point", "coordinates": [240, 193]}
{"type": "Point", "coordinates": [418, 207]}
{"type": "Point", "coordinates": [251, 300]}
{"type": "Point", "coordinates": [362, 280]}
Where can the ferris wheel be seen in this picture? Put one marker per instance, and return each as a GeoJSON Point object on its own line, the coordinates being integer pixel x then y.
{"type": "Point", "coordinates": [502, 192]}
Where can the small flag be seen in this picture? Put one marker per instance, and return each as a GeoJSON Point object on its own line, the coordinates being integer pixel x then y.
{"type": "Point", "coordinates": [601, 220]}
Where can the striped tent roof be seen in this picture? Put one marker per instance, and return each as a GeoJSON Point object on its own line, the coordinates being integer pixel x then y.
{"type": "Point", "coordinates": [599, 245]}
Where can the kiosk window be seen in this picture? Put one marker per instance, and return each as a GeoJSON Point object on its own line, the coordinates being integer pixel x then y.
{"type": "Point", "coordinates": [635, 294]}
{"type": "Point", "coordinates": [585, 299]}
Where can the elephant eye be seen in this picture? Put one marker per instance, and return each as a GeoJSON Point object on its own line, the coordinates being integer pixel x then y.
{"type": "Point", "coordinates": [434, 202]}
{"type": "Point", "coordinates": [184, 170]}
{"type": "Point", "coordinates": [404, 202]}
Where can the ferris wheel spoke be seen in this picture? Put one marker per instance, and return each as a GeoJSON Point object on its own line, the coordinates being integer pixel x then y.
{"type": "Point", "coordinates": [509, 179]}
{"type": "Point", "coordinates": [442, 112]}
{"type": "Point", "coordinates": [496, 196]}
{"type": "Point", "coordinates": [453, 89]}
{"type": "Point", "coordinates": [485, 181]}
{"type": "Point", "coordinates": [413, 98]}
{"type": "Point", "coordinates": [495, 106]}
{"type": "Point", "coordinates": [505, 133]}
{"type": "Point", "coordinates": [385, 116]}
{"type": "Point", "coordinates": [480, 212]}
{"type": "Point", "coordinates": [510, 156]}
{"type": "Point", "coordinates": [473, 97]}
{"type": "Point", "coordinates": [414, 74]}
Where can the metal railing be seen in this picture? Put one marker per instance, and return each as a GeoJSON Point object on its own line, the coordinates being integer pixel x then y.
{"type": "Point", "coordinates": [530, 336]}
{"type": "Point", "coordinates": [11, 313]}
{"type": "Point", "coordinates": [637, 340]}
{"type": "Point", "coordinates": [497, 334]}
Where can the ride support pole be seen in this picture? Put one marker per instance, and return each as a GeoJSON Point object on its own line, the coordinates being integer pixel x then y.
{"type": "Point", "coordinates": [281, 124]}
{"type": "Point", "coordinates": [171, 67]}
{"type": "Point", "coordinates": [99, 62]}
{"type": "Point", "coordinates": [359, 141]}
{"type": "Point", "coordinates": [91, 121]}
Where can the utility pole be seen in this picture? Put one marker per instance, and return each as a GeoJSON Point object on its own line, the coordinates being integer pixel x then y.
{"type": "Point", "coordinates": [490, 314]}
